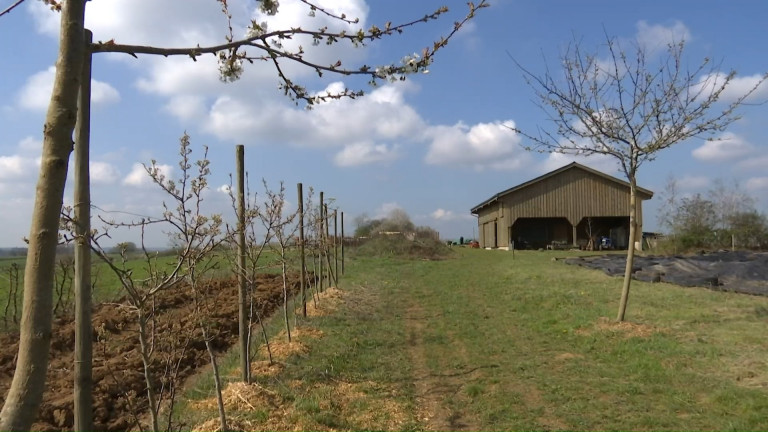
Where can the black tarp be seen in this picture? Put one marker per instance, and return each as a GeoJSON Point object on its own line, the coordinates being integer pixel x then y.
{"type": "Point", "coordinates": [744, 272]}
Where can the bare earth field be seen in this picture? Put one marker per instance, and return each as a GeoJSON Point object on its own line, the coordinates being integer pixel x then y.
{"type": "Point", "coordinates": [118, 378]}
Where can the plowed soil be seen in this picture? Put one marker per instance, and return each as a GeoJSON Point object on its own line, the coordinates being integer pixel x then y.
{"type": "Point", "coordinates": [118, 376]}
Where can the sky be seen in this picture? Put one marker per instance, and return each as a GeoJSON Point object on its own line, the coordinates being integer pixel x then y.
{"type": "Point", "coordinates": [435, 145]}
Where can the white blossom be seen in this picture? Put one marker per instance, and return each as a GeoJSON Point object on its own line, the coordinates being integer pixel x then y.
{"type": "Point", "coordinates": [256, 29]}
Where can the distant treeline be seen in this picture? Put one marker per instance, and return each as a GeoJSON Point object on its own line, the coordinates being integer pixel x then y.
{"type": "Point", "coordinates": [13, 252]}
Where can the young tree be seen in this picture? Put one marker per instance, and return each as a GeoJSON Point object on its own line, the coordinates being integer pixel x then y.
{"type": "Point", "coordinates": [629, 106]}
{"type": "Point", "coordinates": [25, 394]}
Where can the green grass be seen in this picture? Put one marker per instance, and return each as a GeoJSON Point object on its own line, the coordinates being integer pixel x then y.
{"type": "Point", "coordinates": [107, 286]}
{"type": "Point", "coordinates": [528, 343]}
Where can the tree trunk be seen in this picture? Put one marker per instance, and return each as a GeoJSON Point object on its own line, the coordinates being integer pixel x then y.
{"type": "Point", "coordinates": [630, 249]}
{"type": "Point", "coordinates": [83, 392]}
{"type": "Point", "coordinates": [146, 361]}
{"type": "Point", "coordinates": [26, 392]}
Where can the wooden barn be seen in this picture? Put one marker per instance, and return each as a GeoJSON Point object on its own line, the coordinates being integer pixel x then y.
{"type": "Point", "coordinates": [563, 208]}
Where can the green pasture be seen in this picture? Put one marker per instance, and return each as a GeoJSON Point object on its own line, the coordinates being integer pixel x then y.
{"type": "Point", "coordinates": [485, 341]}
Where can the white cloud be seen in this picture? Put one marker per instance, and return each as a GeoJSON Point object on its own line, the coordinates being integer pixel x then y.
{"type": "Point", "coordinates": [30, 144]}
{"type": "Point", "coordinates": [365, 153]}
{"type": "Point", "coordinates": [448, 215]}
{"type": "Point", "coordinates": [657, 37]}
{"type": "Point", "coordinates": [386, 209]}
{"type": "Point", "coordinates": [36, 93]}
{"type": "Point", "coordinates": [757, 162]}
{"type": "Point", "coordinates": [757, 184]}
{"type": "Point", "coordinates": [17, 167]}
{"type": "Point", "coordinates": [735, 89]}
{"type": "Point", "coordinates": [186, 107]}
{"type": "Point", "coordinates": [103, 93]}
{"type": "Point", "coordinates": [103, 172]}
{"type": "Point", "coordinates": [603, 163]}
{"type": "Point", "coordinates": [727, 147]}
{"type": "Point", "coordinates": [484, 145]}
{"type": "Point", "coordinates": [224, 189]}
{"type": "Point", "coordinates": [382, 115]}
{"type": "Point", "coordinates": [688, 183]}
{"type": "Point", "coordinates": [139, 177]}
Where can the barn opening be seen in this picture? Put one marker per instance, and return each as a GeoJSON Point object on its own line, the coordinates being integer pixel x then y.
{"type": "Point", "coordinates": [564, 208]}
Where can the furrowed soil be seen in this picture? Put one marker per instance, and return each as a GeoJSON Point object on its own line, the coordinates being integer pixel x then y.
{"type": "Point", "coordinates": [119, 383]}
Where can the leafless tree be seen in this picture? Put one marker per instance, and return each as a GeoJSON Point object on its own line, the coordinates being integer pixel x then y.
{"type": "Point", "coordinates": [629, 105]}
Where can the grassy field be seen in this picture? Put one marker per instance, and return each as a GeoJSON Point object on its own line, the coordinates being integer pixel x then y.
{"type": "Point", "coordinates": [106, 285]}
{"type": "Point", "coordinates": [482, 341]}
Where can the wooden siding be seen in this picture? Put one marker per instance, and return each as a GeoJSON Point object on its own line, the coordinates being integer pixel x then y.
{"type": "Point", "coordinates": [573, 194]}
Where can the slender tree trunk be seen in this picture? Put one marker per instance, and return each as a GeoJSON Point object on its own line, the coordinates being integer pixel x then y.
{"type": "Point", "coordinates": [245, 364]}
{"type": "Point", "coordinates": [147, 363]}
{"type": "Point", "coordinates": [216, 380]}
{"type": "Point", "coordinates": [285, 294]}
{"type": "Point", "coordinates": [26, 391]}
{"type": "Point", "coordinates": [83, 392]}
{"type": "Point", "coordinates": [630, 249]}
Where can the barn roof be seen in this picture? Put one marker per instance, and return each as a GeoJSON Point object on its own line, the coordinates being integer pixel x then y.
{"type": "Point", "coordinates": [642, 193]}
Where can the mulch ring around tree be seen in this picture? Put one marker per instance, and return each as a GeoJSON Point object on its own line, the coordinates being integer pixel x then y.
{"type": "Point", "coordinates": [742, 272]}
{"type": "Point", "coordinates": [119, 397]}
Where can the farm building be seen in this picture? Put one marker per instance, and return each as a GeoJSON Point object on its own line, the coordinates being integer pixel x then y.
{"type": "Point", "coordinates": [563, 208]}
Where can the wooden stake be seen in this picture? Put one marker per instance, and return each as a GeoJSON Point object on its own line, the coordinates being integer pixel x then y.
{"type": "Point", "coordinates": [245, 364]}
{"type": "Point", "coordinates": [83, 391]}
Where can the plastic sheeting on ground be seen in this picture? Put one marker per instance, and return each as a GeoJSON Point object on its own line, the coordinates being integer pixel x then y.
{"type": "Point", "coordinates": [744, 272]}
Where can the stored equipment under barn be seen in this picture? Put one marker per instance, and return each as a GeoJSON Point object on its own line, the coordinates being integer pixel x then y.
{"type": "Point", "coordinates": [563, 208]}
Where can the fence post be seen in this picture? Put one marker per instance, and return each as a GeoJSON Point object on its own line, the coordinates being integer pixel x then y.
{"type": "Point", "coordinates": [336, 247]}
{"type": "Point", "coordinates": [321, 240]}
{"type": "Point", "coordinates": [342, 243]}
{"type": "Point", "coordinates": [83, 385]}
{"type": "Point", "coordinates": [301, 252]}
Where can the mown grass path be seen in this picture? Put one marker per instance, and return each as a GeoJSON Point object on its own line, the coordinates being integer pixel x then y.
{"type": "Point", "coordinates": [529, 343]}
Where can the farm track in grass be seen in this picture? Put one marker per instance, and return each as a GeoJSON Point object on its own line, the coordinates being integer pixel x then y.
{"type": "Point", "coordinates": [118, 378]}
{"type": "Point", "coordinates": [482, 341]}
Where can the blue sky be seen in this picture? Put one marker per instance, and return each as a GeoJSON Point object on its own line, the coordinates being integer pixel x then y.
{"type": "Point", "coordinates": [434, 146]}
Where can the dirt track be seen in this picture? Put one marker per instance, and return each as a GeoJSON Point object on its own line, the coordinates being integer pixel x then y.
{"type": "Point", "coordinates": [118, 369]}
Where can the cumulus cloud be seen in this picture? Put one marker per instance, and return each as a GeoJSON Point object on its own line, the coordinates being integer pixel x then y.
{"type": "Point", "coordinates": [386, 209]}
{"type": "Point", "coordinates": [484, 145]}
{"type": "Point", "coordinates": [365, 153]}
{"type": "Point", "coordinates": [735, 89]}
{"type": "Point", "coordinates": [382, 115]}
{"type": "Point", "coordinates": [727, 147]}
{"type": "Point", "coordinates": [757, 184]}
{"type": "Point", "coordinates": [36, 93]}
{"type": "Point", "coordinates": [103, 172]}
{"type": "Point", "coordinates": [138, 176]}
{"type": "Point", "coordinates": [657, 37]}
{"type": "Point", "coordinates": [759, 162]}
{"type": "Point", "coordinates": [17, 167]}
{"type": "Point", "coordinates": [603, 163]}
{"type": "Point", "coordinates": [448, 215]}
{"type": "Point", "coordinates": [30, 145]}
{"type": "Point", "coordinates": [689, 182]}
